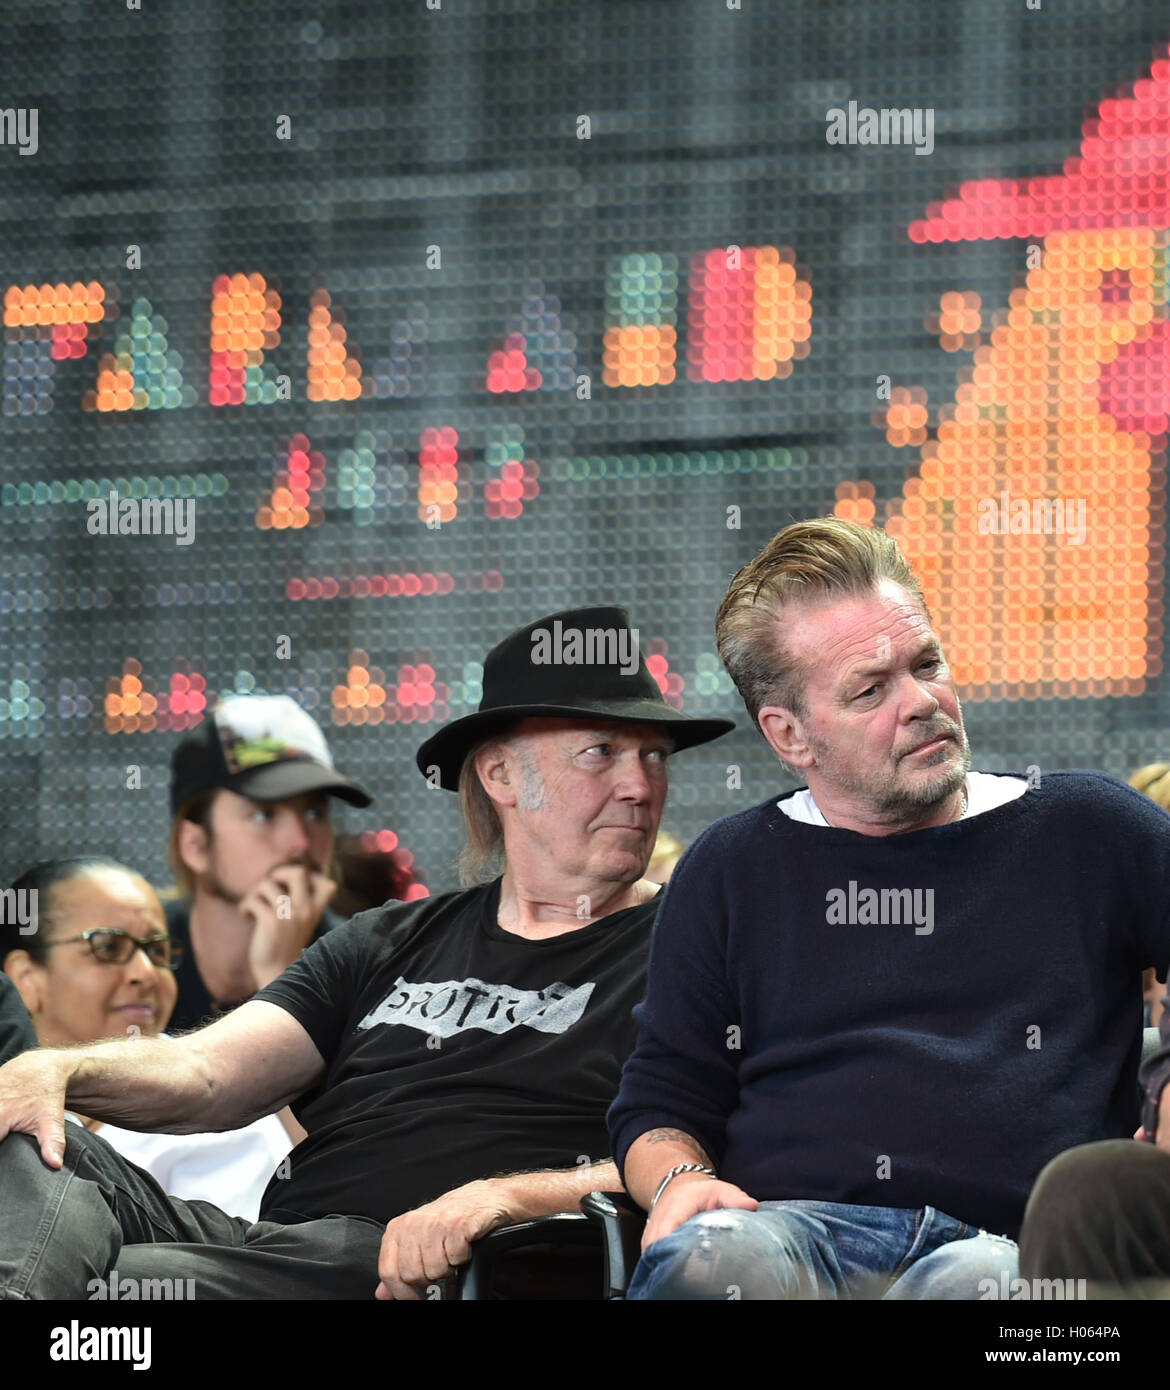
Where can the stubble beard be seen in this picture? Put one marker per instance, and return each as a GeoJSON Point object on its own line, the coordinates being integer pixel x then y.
{"type": "Point", "coordinates": [212, 885]}
{"type": "Point", "coordinates": [894, 802]}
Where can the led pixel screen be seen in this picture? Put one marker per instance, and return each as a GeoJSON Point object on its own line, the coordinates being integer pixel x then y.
{"type": "Point", "coordinates": [432, 320]}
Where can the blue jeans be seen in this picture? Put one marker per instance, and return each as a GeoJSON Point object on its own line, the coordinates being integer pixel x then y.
{"type": "Point", "coordinates": [813, 1250]}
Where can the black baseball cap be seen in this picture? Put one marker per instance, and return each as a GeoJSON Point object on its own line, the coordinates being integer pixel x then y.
{"type": "Point", "coordinates": [264, 747]}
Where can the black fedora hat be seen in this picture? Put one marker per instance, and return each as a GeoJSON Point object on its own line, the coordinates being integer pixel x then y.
{"type": "Point", "coordinates": [576, 664]}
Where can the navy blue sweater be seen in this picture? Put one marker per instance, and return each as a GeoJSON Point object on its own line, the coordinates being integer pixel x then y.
{"type": "Point", "coordinates": [899, 1049]}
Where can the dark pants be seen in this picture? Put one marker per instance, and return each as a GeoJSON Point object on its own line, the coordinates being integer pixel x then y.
{"type": "Point", "coordinates": [63, 1234]}
{"type": "Point", "coordinates": [1101, 1212]}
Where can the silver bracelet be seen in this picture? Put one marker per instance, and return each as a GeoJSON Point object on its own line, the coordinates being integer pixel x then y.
{"type": "Point", "coordinates": [674, 1172]}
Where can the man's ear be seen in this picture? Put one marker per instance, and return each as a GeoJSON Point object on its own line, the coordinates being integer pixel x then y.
{"type": "Point", "coordinates": [495, 769]}
{"type": "Point", "coordinates": [194, 846]}
{"type": "Point", "coordinates": [786, 736]}
{"type": "Point", "coordinates": [28, 977]}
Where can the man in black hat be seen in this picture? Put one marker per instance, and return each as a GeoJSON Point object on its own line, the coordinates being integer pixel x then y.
{"type": "Point", "coordinates": [250, 846]}
{"type": "Point", "coordinates": [452, 1059]}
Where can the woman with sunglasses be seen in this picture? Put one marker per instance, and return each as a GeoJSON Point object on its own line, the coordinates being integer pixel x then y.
{"type": "Point", "coordinates": [92, 960]}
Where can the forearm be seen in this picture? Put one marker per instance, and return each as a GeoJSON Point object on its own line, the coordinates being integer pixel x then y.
{"type": "Point", "coordinates": [653, 1154]}
{"type": "Point", "coordinates": [525, 1196]}
{"type": "Point", "coordinates": [159, 1084]}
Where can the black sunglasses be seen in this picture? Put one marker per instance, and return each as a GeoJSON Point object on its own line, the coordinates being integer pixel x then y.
{"type": "Point", "coordinates": [114, 946]}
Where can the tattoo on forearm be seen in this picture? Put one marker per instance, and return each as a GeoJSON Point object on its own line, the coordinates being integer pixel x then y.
{"type": "Point", "coordinates": [678, 1136]}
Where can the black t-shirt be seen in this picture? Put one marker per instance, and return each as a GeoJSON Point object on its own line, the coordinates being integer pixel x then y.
{"type": "Point", "coordinates": [194, 1004]}
{"type": "Point", "coordinates": [454, 1050]}
{"type": "Point", "coordinates": [16, 1029]}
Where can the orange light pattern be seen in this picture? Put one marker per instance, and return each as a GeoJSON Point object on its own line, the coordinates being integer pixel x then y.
{"type": "Point", "coordinates": [641, 298]}
{"type": "Point", "coordinates": [958, 321]}
{"type": "Point", "coordinates": [334, 373]}
{"type": "Point", "coordinates": [67, 309]}
{"type": "Point", "coordinates": [368, 698]}
{"type": "Point", "coordinates": [855, 503]}
{"type": "Point", "coordinates": [750, 314]}
{"type": "Point", "coordinates": [641, 355]}
{"type": "Point", "coordinates": [904, 419]}
{"type": "Point", "coordinates": [43, 325]}
{"type": "Point", "coordinates": [1037, 517]}
{"type": "Point", "coordinates": [133, 706]}
{"type": "Point", "coordinates": [1065, 406]}
{"type": "Point", "coordinates": [290, 504]}
{"type": "Point", "coordinates": [438, 474]}
{"type": "Point", "coordinates": [245, 324]}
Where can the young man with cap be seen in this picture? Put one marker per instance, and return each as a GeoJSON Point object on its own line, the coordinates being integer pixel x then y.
{"type": "Point", "coordinates": [452, 1059]}
{"type": "Point", "coordinates": [250, 845]}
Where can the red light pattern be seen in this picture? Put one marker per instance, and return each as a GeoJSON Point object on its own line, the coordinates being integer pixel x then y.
{"type": "Point", "coordinates": [409, 585]}
{"type": "Point", "coordinates": [750, 314]}
{"type": "Point", "coordinates": [387, 842]}
{"type": "Point", "coordinates": [504, 497]}
{"type": "Point", "coordinates": [508, 369]}
{"type": "Point", "coordinates": [289, 505]}
{"type": "Point", "coordinates": [132, 704]}
{"type": "Point", "coordinates": [1121, 178]}
{"type": "Point", "coordinates": [368, 698]}
{"type": "Point", "coordinates": [438, 474]}
{"type": "Point", "coordinates": [54, 322]}
{"type": "Point", "coordinates": [669, 682]}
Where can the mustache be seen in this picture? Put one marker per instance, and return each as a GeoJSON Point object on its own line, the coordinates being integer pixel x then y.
{"type": "Point", "coordinates": [941, 728]}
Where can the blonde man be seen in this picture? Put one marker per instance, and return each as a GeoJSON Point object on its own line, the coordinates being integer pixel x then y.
{"type": "Point", "coordinates": [876, 1006]}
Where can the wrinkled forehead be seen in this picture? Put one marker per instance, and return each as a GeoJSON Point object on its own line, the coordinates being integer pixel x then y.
{"type": "Point", "coordinates": [836, 633]}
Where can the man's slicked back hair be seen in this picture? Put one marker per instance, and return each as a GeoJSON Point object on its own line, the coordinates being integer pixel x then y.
{"type": "Point", "coordinates": [806, 562]}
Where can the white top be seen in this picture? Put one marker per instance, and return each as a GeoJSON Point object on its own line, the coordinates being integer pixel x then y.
{"type": "Point", "coordinates": [985, 791]}
{"type": "Point", "coordinates": [230, 1170]}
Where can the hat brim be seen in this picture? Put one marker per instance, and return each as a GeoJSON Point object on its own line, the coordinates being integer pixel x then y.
{"type": "Point", "coordinates": [447, 749]}
{"type": "Point", "coordinates": [289, 777]}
